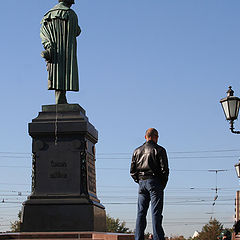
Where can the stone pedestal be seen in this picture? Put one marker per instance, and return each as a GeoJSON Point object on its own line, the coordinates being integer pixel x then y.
{"type": "Point", "coordinates": [63, 194]}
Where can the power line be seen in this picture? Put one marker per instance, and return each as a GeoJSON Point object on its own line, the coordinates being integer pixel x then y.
{"type": "Point", "coordinates": [184, 157]}
{"type": "Point", "coordinates": [128, 158]}
{"type": "Point", "coordinates": [8, 154]}
{"type": "Point", "coordinates": [170, 204]}
{"type": "Point", "coordinates": [14, 191]}
{"type": "Point", "coordinates": [124, 153]}
{"type": "Point", "coordinates": [9, 206]}
{"type": "Point", "coordinates": [182, 223]}
{"type": "Point", "coordinates": [11, 195]}
{"type": "Point", "coordinates": [174, 170]}
{"type": "Point", "coordinates": [123, 169]}
{"type": "Point", "coordinates": [122, 186]}
{"type": "Point", "coordinates": [15, 167]}
{"type": "Point", "coordinates": [9, 184]}
{"type": "Point", "coordinates": [25, 153]}
{"type": "Point", "coordinates": [12, 157]}
{"type": "Point", "coordinates": [134, 197]}
{"type": "Point", "coordinates": [135, 203]}
{"type": "Point", "coordinates": [182, 152]}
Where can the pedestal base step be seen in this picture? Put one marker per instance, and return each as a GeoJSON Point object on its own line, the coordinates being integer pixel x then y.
{"type": "Point", "coordinates": [67, 235]}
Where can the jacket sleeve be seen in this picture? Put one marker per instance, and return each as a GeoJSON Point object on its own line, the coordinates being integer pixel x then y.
{"type": "Point", "coordinates": [133, 169]}
{"type": "Point", "coordinates": [164, 167]}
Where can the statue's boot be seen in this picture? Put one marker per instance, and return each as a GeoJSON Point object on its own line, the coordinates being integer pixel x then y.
{"type": "Point", "coordinates": [60, 97]}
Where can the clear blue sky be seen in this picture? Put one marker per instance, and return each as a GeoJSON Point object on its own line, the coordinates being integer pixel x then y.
{"type": "Point", "coordinates": [142, 63]}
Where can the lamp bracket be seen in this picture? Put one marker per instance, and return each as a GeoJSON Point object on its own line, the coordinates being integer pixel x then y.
{"type": "Point", "coordinates": [232, 127]}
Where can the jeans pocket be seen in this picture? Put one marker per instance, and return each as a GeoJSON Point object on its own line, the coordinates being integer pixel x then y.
{"type": "Point", "coordinates": [140, 189]}
{"type": "Point", "coordinates": [154, 185]}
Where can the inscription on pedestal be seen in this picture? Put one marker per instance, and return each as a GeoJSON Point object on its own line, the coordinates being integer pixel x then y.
{"type": "Point", "coordinates": [58, 169]}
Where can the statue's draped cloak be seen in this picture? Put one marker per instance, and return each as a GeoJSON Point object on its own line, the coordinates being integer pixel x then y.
{"type": "Point", "coordinates": [58, 33]}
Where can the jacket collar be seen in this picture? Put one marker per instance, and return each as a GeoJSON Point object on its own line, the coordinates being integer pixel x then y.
{"type": "Point", "coordinates": [151, 141]}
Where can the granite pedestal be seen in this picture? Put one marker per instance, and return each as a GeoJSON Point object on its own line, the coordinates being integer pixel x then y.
{"type": "Point", "coordinates": [63, 194]}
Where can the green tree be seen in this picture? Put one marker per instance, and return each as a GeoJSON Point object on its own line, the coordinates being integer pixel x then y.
{"type": "Point", "coordinates": [116, 226]}
{"type": "Point", "coordinates": [177, 238]}
{"type": "Point", "coordinates": [210, 231]}
{"type": "Point", "coordinates": [15, 226]}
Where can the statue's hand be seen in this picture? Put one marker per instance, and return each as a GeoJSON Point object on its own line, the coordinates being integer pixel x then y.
{"type": "Point", "coordinates": [46, 55]}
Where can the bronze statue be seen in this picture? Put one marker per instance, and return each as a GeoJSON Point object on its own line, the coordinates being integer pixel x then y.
{"type": "Point", "coordinates": [58, 32]}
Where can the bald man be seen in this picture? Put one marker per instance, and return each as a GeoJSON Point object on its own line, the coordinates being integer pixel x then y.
{"type": "Point", "coordinates": [149, 168]}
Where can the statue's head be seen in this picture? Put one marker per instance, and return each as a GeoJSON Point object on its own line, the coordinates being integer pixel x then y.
{"type": "Point", "coordinates": [69, 2]}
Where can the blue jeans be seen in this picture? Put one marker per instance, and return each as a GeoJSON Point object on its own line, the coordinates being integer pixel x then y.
{"type": "Point", "coordinates": [150, 190]}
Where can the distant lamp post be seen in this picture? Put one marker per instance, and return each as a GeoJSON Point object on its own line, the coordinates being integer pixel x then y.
{"type": "Point", "coordinates": [237, 167]}
{"type": "Point", "coordinates": [230, 106]}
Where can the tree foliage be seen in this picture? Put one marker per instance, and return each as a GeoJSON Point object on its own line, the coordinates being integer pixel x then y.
{"type": "Point", "coordinates": [116, 226]}
{"type": "Point", "coordinates": [15, 226]}
{"type": "Point", "coordinates": [177, 238]}
{"type": "Point", "coordinates": [210, 231]}
{"type": "Point", "coordinates": [113, 225]}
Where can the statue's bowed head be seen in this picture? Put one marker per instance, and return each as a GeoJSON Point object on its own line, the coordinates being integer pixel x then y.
{"type": "Point", "coordinates": [67, 1]}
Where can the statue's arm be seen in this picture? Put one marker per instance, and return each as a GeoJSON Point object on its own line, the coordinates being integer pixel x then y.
{"type": "Point", "coordinates": [74, 18]}
{"type": "Point", "coordinates": [44, 35]}
{"type": "Point", "coordinates": [78, 30]}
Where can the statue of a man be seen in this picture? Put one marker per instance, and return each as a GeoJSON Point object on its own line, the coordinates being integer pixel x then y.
{"type": "Point", "coordinates": [58, 33]}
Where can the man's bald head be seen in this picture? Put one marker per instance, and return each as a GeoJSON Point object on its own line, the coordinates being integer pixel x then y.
{"type": "Point", "coordinates": [67, 1]}
{"type": "Point", "coordinates": [151, 134]}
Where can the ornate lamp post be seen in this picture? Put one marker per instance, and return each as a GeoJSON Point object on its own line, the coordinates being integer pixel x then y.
{"type": "Point", "coordinates": [237, 200]}
{"type": "Point", "coordinates": [230, 106]}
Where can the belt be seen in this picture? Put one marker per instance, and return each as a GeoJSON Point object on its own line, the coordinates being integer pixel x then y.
{"type": "Point", "coordinates": [145, 177]}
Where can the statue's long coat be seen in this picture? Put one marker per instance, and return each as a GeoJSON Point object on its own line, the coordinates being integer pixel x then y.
{"type": "Point", "coordinates": [58, 33]}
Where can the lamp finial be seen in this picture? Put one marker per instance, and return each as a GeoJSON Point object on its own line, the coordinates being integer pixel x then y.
{"type": "Point", "coordinates": [230, 92]}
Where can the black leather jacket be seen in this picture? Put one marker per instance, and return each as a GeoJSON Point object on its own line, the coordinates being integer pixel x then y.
{"type": "Point", "coordinates": [148, 161]}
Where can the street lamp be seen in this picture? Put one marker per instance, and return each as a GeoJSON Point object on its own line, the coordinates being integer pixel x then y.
{"type": "Point", "coordinates": [230, 106]}
{"type": "Point", "coordinates": [237, 167]}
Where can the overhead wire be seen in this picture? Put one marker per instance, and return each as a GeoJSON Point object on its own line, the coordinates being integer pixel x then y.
{"type": "Point", "coordinates": [123, 169]}
{"type": "Point", "coordinates": [8, 154]}
{"type": "Point", "coordinates": [118, 153]}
